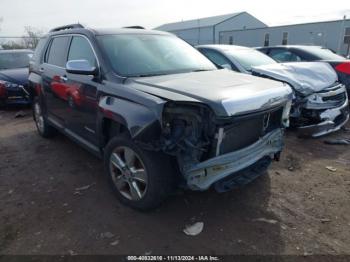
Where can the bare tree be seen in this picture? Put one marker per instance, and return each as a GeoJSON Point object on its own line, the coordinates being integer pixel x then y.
{"type": "Point", "coordinates": [31, 37]}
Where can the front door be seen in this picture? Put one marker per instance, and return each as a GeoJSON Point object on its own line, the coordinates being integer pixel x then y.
{"type": "Point", "coordinates": [82, 93]}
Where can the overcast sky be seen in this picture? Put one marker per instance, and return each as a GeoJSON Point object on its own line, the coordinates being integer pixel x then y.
{"type": "Point", "coordinates": [45, 14]}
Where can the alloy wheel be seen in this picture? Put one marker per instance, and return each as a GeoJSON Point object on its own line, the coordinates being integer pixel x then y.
{"type": "Point", "coordinates": [39, 119]}
{"type": "Point", "coordinates": [128, 173]}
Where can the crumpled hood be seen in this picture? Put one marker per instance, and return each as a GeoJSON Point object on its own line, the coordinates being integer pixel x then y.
{"type": "Point", "coordinates": [17, 76]}
{"type": "Point", "coordinates": [304, 77]}
{"type": "Point", "coordinates": [226, 92]}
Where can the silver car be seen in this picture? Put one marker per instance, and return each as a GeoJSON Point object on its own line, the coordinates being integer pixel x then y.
{"type": "Point", "coordinates": [320, 104]}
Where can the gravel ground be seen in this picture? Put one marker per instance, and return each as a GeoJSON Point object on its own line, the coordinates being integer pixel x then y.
{"type": "Point", "coordinates": [299, 207]}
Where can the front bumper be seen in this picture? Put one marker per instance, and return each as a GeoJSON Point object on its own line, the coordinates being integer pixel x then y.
{"type": "Point", "coordinates": [204, 174]}
{"type": "Point", "coordinates": [332, 120]}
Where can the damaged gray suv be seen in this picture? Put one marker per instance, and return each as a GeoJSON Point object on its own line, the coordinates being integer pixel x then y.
{"type": "Point", "coordinates": [156, 110]}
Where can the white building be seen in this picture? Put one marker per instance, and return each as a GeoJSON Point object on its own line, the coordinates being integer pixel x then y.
{"type": "Point", "coordinates": [206, 30]}
{"type": "Point", "coordinates": [244, 29]}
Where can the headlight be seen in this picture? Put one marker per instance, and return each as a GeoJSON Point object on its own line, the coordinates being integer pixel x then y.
{"type": "Point", "coordinates": [7, 84]}
{"type": "Point", "coordinates": [286, 113]}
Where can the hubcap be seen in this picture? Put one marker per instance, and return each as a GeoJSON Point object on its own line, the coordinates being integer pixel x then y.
{"type": "Point", "coordinates": [39, 119]}
{"type": "Point", "coordinates": [128, 173]}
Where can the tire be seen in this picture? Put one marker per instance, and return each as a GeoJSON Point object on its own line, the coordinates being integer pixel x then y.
{"type": "Point", "coordinates": [42, 126]}
{"type": "Point", "coordinates": [152, 187]}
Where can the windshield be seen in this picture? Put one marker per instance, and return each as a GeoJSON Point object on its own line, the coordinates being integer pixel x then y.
{"type": "Point", "coordinates": [323, 53]}
{"type": "Point", "coordinates": [147, 55]}
{"type": "Point", "coordinates": [249, 58]}
{"type": "Point", "coordinates": [13, 60]}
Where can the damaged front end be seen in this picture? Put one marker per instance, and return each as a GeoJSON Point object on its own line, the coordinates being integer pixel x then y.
{"type": "Point", "coordinates": [211, 149]}
{"type": "Point", "coordinates": [320, 104]}
{"type": "Point", "coordinates": [320, 113]}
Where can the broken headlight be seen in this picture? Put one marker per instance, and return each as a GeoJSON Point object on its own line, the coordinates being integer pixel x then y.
{"type": "Point", "coordinates": [286, 113]}
{"type": "Point", "coordinates": [186, 126]}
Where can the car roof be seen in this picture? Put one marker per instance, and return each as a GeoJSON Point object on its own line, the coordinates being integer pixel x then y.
{"type": "Point", "coordinates": [108, 31]}
{"type": "Point", "coordinates": [225, 47]}
{"type": "Point", "coordinates": [290, 46]}
{"type": "Point", "coordinates": [16, 51]}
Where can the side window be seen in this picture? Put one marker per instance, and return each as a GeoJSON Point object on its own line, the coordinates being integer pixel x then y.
{"type": "Point", "coordinates": [56, 55]}
{"type": "Point", "coordinates": [80, 49]}
{"type": "Point", "coordinates": [216, 57]}
{"type": "Point", "coordinates": [264, 50]}
{"type": "Point", "coordinates": [281, 55]}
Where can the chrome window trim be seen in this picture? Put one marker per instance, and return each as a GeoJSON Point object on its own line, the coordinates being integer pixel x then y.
{"type": "Point", "coordinates": [72, 35]}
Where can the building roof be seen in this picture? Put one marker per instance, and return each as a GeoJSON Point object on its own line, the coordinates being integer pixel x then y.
{"type": "Point", "coordinates": [201, 22]}
{"type": "Point", "coordinates": [290, 25]}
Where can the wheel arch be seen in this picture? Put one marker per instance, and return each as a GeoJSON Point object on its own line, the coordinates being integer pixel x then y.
{"type": "Point", "coordinates": [119, 116]}
{"type": "Point", "coordinates": [35, 83]}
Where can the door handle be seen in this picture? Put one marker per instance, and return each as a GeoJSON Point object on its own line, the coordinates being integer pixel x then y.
{"type": "Point", "coordinates": [63, 78]}
{"type": "Point", "coordinates": [41, 70]}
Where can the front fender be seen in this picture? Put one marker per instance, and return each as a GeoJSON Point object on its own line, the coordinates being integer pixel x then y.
{"type": "Point", "coordinates": [143, 123]}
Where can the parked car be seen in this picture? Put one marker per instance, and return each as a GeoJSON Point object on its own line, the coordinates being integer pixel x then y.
{"type": "Point", "coordinates": [320, 103]}
{"type": "Point", "coordinates": [304, 53]}
{"type": "Point", "coordinates": [14, 76]}
{"type": "Point", "coordinates": [159, 113]}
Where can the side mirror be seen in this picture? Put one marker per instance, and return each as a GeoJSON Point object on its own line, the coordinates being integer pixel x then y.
{"type": "Point", "coordinates": [81, 67]}
{"type": "Point", "coordinates": [226, 66]}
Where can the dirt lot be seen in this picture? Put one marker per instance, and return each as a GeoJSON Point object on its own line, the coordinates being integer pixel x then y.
{"type": "Point", "coordinates": [299, 207]}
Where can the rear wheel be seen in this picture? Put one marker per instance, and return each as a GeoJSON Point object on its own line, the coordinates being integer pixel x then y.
{"type": "Point", "coordinates": [141, 179]}
{"type": "Point", "coordinates": [44, 129]}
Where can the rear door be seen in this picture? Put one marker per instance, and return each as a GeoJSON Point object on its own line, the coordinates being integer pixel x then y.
{"type": "Point", "coordinates": [54, 79]}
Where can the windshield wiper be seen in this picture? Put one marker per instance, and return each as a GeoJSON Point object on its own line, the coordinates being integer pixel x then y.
{"type": "Point", "coordinates": [202, 70]}
{"type": "Point", "coordinates": [146, 75]}
{"type": "Point", "coordinates": [170, 73]}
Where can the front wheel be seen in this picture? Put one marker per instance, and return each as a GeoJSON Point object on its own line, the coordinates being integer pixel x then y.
{"type": "Point", "coordinates": [44, 129]}
{"type": "Point", "coordinates": [140, 179]}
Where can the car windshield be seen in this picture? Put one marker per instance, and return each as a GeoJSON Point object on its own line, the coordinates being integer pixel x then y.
{"type": "Point", "coordinates": [149, 55]}
{"type": "Point", "coordinates": [11, 60]}
{"type": "Point", "coordinates": [248, 58]}
{"type": "Point", "coordinates": [323, 53]}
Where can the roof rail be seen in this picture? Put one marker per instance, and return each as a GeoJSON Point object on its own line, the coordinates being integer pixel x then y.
{"type": "Point", "coordinates": [135, 27]}
{"type": "Point", "coordinates": [65, 27]}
